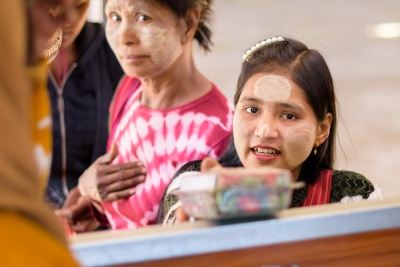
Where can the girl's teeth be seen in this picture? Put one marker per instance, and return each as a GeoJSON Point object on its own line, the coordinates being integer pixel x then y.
{"type": "Point", "coordinates": [265, 151]}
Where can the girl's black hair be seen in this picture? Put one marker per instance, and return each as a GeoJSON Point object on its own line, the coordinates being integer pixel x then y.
{"type": "Point", "coordinates": [230, 157]}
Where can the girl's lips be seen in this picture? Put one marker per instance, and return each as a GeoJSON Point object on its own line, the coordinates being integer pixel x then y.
{"type": "Point", "coordinates": [264, 157]}
{"type": "Point", "coordinates": [264, 153]}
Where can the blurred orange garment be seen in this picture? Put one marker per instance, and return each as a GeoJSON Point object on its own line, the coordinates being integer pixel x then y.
{"type": "Point", "coordinates": [29, 230]}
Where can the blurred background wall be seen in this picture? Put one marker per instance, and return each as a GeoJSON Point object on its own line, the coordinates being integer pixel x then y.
{"type": "Point", "coordinates": [366, 71]}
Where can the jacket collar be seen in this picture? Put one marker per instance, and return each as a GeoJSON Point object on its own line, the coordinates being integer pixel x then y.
{"type": "Point", "coordinates": [89, 40]}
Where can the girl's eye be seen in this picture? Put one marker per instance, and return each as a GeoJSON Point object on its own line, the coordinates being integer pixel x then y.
{"type": "Point", "coordinates": [115, 17]}
{"type": "Point", "coordinates": [252, 110]}
{"type": "Point", "coordinates": [289, 116]}
{"type": "Point", "coordinates": [143, 18]}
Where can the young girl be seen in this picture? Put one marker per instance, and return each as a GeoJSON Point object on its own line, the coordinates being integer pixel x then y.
{"type": "Point", "coordinates": [285, 117]}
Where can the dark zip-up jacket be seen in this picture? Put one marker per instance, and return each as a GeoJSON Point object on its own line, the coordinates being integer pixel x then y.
{"type": "Point", "coordinates": [80, 111]}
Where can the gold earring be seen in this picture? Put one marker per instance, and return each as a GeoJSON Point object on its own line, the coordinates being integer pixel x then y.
{"type": "Point", "coordinates": [315, 147]}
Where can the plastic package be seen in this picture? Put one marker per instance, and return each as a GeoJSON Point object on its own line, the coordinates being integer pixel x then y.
{"type": "Point", "coordinates": [236, 192]}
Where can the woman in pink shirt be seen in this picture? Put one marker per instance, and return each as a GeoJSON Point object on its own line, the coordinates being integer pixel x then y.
{"type": "Point", "coordinates": [165, 112]}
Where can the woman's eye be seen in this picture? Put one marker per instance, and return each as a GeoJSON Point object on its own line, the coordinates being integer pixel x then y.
{"type": "Point", "coordinates": [143, 18]}
{"type": "Point", "coordinates": [115, 17]}
{"type": "Point", "coordinates": [252, 110]}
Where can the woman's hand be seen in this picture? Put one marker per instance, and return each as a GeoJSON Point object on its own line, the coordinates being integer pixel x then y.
{"type": "Point", "coordinates": [76, 212]}
{"type": "Point", "coordinates": [105, 182]}
{"type": "Point", "coordinates": [180, 215]}
{"type": "Point", "coordinates": [207, 164]}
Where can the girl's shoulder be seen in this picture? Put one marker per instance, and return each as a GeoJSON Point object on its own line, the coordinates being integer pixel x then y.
{"type": "Point", "coordinates": [169, 201]}
{"type": "Point", "coordinates": [349, 184]}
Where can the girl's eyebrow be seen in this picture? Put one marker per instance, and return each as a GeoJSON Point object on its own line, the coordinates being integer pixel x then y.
{"type": "Point", "coordinates": [287, 105]}
{"type": "Point", "coordinates": [290, 106]}
{"type": "Point", "coordinates": [251, 99]}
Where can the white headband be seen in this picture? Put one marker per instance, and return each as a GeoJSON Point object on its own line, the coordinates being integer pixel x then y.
{"type": "Point", "coordinates": [246, 56]}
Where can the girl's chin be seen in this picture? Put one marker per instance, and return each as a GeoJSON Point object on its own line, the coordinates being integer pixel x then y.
{"type": "Point", "coordinates": [265, 163]}
{"type": "Point", "coordinates": [258, 164]}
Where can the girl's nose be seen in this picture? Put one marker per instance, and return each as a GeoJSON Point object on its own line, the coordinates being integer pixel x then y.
{"type": "Point", "coordinates": [262, 131]}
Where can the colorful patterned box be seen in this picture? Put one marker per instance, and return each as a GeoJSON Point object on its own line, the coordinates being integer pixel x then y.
{"type": "Point", "coordinates": [236, 192]}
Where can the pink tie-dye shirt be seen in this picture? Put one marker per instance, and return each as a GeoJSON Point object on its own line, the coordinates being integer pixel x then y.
{"type": "Point", "coordinates": [164, 140]}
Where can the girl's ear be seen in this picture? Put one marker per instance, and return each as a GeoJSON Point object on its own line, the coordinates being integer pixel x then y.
{"type": "Point", "coordinates": [324, 128]}
{"type": "Point", "coordinates": [208, 164]}
{"type": "Point", "coordinates": [191, 21]}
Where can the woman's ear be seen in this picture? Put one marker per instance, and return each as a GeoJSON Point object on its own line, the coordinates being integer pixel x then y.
{"type": "Point", "coordinates": [324, 128]}
{"type": "Point", "coordinates": [192, 21]}
{"type": "Point", "coordinates": [208, 164]}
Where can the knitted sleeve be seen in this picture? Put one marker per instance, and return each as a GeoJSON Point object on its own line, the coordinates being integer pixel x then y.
{"type": "Point", "coordinates": [168, 200]}
{"type": "Point", "coordinates": [349, 184]}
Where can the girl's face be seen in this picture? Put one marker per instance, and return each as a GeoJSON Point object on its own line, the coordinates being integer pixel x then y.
{"type": "Point", "coordinates": [274, 125]}
{"type": "Point", "coordinates": [146, 37]}
{"type": "Point", "coordinates": [72, 29]}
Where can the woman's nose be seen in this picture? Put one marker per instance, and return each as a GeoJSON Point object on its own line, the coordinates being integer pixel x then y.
{"type": "Point", "coordinates": [128, 34]}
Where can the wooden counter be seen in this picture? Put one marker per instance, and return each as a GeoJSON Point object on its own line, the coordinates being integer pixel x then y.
{"type": "Point", "coordinates": [355, 234]}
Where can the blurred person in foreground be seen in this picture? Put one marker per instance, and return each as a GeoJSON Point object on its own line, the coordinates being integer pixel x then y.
{"type": "Point", "coordinates": [32, 234]}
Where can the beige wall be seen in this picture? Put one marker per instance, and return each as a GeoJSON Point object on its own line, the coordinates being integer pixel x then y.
{"type": "Point", "coordinates": [96, 13]}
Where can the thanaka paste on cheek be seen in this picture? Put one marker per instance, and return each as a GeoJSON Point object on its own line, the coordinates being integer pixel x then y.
{"type": "Point", "coordinates": [113, 28]}
{"type": "Point", "coordinates": [240, 134]}
{"type": "Point", "coordinates": [239, 126]}
{"type": "Point", "coordinates": [160, 42]}
{"type": "Point", "coordinates": [272, 88]}
{"type": "Point", "coordinates": [298, 143]}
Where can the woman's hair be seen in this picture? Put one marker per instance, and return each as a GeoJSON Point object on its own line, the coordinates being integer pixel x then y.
{"type": "Point", "coordinates": [308, 69]}
{"type": "Point", "coordinates": [203, 32]}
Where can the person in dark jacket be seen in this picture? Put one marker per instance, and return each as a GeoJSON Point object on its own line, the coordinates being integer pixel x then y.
{"type": "Point", "coordinates": [81, 84]}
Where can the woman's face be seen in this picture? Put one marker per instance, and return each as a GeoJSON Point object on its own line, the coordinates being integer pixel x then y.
{"type": "Point", "coordinates": [71, 29]}
{"type": "Point", "coordinates": [274, 125]}
{"type": "Point", "coordinates": [146, 37]}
